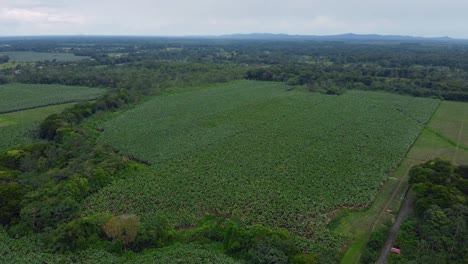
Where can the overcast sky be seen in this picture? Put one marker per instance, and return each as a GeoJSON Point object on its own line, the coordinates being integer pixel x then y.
{"type": "Point", "coordinates": [215, 17]}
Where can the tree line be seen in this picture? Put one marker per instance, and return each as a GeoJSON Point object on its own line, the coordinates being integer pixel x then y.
{"type": "Point", "coordinates": [437, 232]}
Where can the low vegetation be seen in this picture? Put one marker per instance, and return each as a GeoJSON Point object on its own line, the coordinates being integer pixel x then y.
{"type": "Point", "coordinates": [15, 96]}
{"type": "Point", "coordinates": [271, 147]}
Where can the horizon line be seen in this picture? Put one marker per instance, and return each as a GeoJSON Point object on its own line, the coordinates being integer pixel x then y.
{"type": "Point", "coordinates": [237, 34]}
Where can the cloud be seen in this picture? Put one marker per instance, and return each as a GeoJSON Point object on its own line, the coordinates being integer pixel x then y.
{"type": "Point", "coordinates": [26, 16]}
{"type": "Point", "coordinates": [205, 17]}
{"type": "Point", "coordinates": [42, 20]}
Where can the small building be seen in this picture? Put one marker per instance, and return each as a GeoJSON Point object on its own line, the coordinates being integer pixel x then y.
{"type": "Point", "coordinates": [395, 250]}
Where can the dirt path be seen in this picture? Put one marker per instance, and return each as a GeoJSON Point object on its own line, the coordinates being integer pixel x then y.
{"type": "Point", "coordinates": [460, 132]}
{"type": "Point", "coordinates": [404, 211]}
{"type": "Point", "coordinates": [402, 179]}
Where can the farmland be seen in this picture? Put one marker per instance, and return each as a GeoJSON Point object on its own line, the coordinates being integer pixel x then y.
{"type": "Point", "coordinates": [30, 56]}
{"type": "Point", "coordinates": [259, 152]}
{"type": "Point", "coordinates": [217, 151]}
{"type": "Point", "coordinates": [18, 127]}
{"type": "Point", "coordinates": [24, 106]}
{"type": "Point", "coordinates": [445, 136]}
{"type": "Point", "coordinates": [15, 97]}
{"type": "Point", "coordinates": [442, 137]}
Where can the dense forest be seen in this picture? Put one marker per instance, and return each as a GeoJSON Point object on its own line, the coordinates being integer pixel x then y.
{"type": "Point", "coordinates": [437, 231]}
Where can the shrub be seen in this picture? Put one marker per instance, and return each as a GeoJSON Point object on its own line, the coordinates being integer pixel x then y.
{"type": "Point", "coordinates": [83, 233]}
{"type": "Point", "coordinates": [122, 228]}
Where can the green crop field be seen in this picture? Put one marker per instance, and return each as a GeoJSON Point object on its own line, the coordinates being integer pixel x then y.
{"type": "Point", "coordinates": [15, 97]}
{"type": "Point", "coordinates": [443, 137]}
{"type": "Point", "coordinates": [256, 151]}
{"type": "Point", "coordinates": [30, 56]}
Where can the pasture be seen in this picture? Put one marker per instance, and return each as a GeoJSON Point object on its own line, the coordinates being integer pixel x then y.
{"type": "Point", "coordinates": [260, 152]}
{"type": "Point", "coordinates": [445, 136]}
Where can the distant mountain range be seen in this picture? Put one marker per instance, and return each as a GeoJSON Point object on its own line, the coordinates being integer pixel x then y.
{"type": "Point", "coordinates": [342, 37]}
{"type": "Point", "coordinates": [350, 37]}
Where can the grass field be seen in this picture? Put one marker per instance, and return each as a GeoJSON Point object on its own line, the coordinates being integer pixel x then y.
{"type": "Point", "coordinates": [261, 153]}
{"type": "Point", "coordinates": [15, 96]}
{"type": "Point", "coordinates": [16, 127]}
{"type": "Point", "coordinates": [30, 56]}
{"type": "Point", "coordinates": [444, 136]}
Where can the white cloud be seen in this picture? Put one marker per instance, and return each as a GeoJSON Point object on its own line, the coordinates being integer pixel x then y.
{"type": "Point", "coordinates": [25, 16]}
{"type": "Point", "coordinates": [203, 17]}
{"type": "Point", "coordinates": [34, 21]}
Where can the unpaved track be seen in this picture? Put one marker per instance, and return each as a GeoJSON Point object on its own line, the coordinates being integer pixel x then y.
{"type": "Point", "coordinates": [460, 132]}
{"type": "Point", "coordinates": [404, 210]}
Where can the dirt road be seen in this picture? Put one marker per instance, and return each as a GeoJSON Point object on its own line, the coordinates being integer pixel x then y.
{"type": "Point", "coordinates": [404, 211]}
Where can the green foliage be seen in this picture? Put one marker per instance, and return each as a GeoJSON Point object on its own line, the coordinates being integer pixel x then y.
{"type": "Point", "coordinates": [52, 204]}
{"type": "Point", "coordinates": [304, 259]}
{"type": "Point", "coordinates": [61, 173]}
{"type": "Point", "coordinates": [369, 72]}
{"type": "Point", "coordinates": [436, 183]}
{"type": "Point", "coordinates": [20, 128]}
{"type": "Point", "coordinates": [155, 232]}
{"type": "Point", "coordinates": [61, 124]}
{"type": "Point", "coordinates": [15, 96]}
{"type": "Point", "coordinates": [437, 233]}
{"type": "Point", "coordinates": [50, 125]}
{"type": "Point", "coordinates": [12, 159]}
{"type": "Point", "coordinates": [80, 234]}
{"type": "Point", "coordinates": [254, 244]}
{"type": "Point", "coordinates": [11, 197]}
{"type": "Point", "coordinates": [139, 78]}
{"type": "Point", "coordinates": [375, 244]}
{"type": "Point", "coordinates": [260, 153]}
{"type": "Point", "coordinates": [207, 159]}
{"type": "Point", "coordinates": [259, 244]}
{"type": "Point", "coordinates": [191, 253]}
{"type": "Point", "coordinates": [122, 228]}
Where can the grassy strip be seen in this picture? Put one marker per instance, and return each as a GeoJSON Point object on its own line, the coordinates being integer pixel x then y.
{"type": "Point", "coordinates": [46, 105]}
